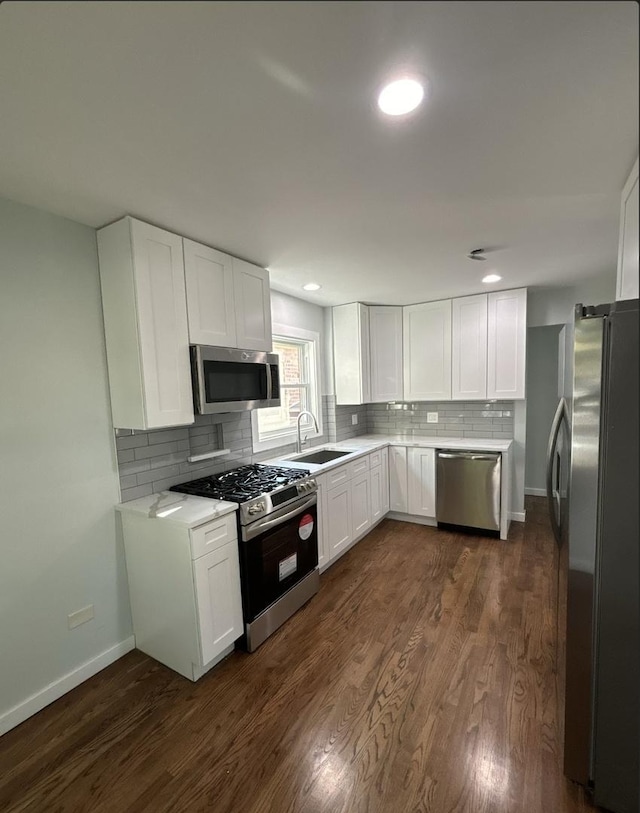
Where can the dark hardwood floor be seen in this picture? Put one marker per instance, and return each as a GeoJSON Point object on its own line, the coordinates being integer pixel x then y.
{"type": "Point", "coordinates": [422, 677]}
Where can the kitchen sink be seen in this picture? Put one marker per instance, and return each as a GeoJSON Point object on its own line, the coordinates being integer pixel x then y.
{"type": "Point", "coordinates": [321, 456]}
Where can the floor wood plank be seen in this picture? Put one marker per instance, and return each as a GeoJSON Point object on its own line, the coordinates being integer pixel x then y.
{"type": "Point", "coordinates": [423, 677]}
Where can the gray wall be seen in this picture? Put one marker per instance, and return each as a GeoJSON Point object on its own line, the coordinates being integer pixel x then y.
{"type": "Point", "coordinates": [542, 399]}
{"type": "Point", "coordinates": [58, 478]}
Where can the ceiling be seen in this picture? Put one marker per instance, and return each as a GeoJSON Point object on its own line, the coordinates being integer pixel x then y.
{"type": "Point", "coordinates": [252, 127]}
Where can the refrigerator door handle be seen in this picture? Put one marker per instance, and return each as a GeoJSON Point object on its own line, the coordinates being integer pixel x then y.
{"type": "Point", "coordinates": [561, 414]}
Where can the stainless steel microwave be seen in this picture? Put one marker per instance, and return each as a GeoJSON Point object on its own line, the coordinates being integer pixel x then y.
{"type": "Point", "coordinates": [229, 380]}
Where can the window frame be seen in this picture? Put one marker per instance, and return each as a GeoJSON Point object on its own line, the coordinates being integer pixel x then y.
{"type": "Point", "coordinates": [287, 437]}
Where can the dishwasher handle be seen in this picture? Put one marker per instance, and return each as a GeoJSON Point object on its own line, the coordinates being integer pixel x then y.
{"type": "Point", "coordinates": [493, 456]}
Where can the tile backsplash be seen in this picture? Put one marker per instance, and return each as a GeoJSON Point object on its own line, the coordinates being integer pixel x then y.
{"type": "Point", "coordinates": [458, 419]}
{"type": "Point", "coordinates": [153, 461]}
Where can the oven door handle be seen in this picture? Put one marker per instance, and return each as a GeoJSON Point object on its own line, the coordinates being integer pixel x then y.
{"type": "Point", "coordinates": [257, 528]}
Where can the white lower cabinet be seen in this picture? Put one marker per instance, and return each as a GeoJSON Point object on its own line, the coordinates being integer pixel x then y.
{"type": "Point", "coordinates": [398, 498]}
{"type": "Point", "coordinates": [184, 588]}
{"type": "Point", "coordinates": [421, 481]}
{"type": "Point", "coordinates": [351, 499]}
{"type": "Point", "coordinates": [339, 519]}
{"type": "Point", "coordinates": [361, 503]}
{"type": "Point", "coordinates": [380, 489]}
{"type": "Point", "coordinates": [219, 608]}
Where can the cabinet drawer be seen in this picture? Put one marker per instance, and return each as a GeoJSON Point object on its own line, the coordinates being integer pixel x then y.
{"type": "Point", "coordinates": [213, 535]}
{"type": "Point", "coordinates": [375, 458]}
{"type": "Point", "coordinates": [359, 466]}
{"type": "Point", "coordinates": [338, 476]}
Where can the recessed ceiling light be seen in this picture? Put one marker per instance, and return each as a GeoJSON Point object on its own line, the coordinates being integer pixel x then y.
{"type": "Point", "coordinates": [311, 286]}
{"type": "Point", "coordinates": [492, 278]}
{"type": "Point", "coordinates": [400, 97]}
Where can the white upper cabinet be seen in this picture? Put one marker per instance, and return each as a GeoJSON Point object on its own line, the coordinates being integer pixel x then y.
{"type": "Point", "coordinates": [228, 300]}
{"type": "Point", "coordinates": [210, 298]}
{"type": "Point", "coordinates": [507, 344]}
{"type": "Point", "coordinates": [427, 351]}
{"type": "Point", "coordinates": [627, 284]}
{"type": "Point", "coordinates": [252, 306]}
{"type": "Point", "coordinates": [351, 354]}
{"type": "Point", "coordinates": [385, 334]}
{"type": "Point", "coordinates": [469, 348]}
{"type": "Point", "coordinates": [145, 317]}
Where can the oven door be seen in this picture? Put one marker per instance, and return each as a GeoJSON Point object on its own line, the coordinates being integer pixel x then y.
{"type": "Point", "coordinates": [276, 553]}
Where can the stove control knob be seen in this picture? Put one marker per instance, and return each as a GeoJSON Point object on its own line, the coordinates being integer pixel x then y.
{"type": "Point", "coordinates": [256, 508]}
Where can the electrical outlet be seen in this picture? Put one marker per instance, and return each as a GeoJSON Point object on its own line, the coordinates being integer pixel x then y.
{"type": "Point", "coordinates": [432, 417]}
{"type": "Point", "coordinates": [354, 420]}
{"type": "Point", "coordinates": [80, 616]}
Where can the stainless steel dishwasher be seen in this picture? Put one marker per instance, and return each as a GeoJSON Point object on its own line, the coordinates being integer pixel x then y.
{"type": "Point", "coordinates": [468, 489]}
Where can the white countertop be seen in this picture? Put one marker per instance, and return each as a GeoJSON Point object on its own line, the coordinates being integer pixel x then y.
{"type": "Point", "coordinates": [183, 509]}
{"type": "Point", "coordinates": [364, 444]}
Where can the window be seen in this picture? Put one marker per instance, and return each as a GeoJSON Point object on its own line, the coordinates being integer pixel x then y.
{"type": "Point", "coordinates": [299, 390]}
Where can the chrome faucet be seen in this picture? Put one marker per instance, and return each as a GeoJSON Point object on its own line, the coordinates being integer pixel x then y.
{"type": "Point", "coordinates": [315, 423]}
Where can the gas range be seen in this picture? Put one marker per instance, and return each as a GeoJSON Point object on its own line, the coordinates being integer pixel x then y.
{"type": "Point", "coordinates": [259, 489]}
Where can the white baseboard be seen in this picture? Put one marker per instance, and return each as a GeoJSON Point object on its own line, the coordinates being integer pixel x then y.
{"type": "Point", "coordinates": [517, 516]}
{"type": "Point", "coordinates": [18, 714]}
{"type": "Point", "coordinates": [401, 517]}
{"type": "Point", "coordinates": [535, 492]}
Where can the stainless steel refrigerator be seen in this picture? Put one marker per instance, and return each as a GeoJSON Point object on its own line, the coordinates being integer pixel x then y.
{"type": "Point", "coordinates": [592, 488]}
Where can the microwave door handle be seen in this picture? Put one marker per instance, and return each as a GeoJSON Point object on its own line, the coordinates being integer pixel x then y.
{"type": "Point", "coordinates": [269, 382]}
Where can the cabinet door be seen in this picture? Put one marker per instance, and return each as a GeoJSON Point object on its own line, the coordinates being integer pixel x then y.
{"type": "Point", "coordinates": [162, 326]}
{"type": "Point", "coordinates": [421, 472]}
{"type": "Point", "coordinates": [469, 347]}
{"type": "Point", "coordinates": [385, 482]}
{"type": "Point", "coordinates": [339, 519]}
{"type": "Point", "coordinates": [361, 504]}
{"type": "Point", "coordinates": [379, 491]}
{"type": "Point", "coordinates": [324, 555]}
{"type": "Point", "coordinates": [398, 479]}
{"type": "Point", "coordinates": [427, 351]}
{"type": "Point", "coordinates": [351, 353]}
{"type": "Point", "coordinates": [210, 302]}
{"type": "Point", "coordinates": [627, 284]}
{"type": "Point", "coordinates": [219, 606]}
{"type": "Point", "coordinates": [507, 344]}
{"type": "Point", "coordinates": [253, 306]}
{"type": "Point", "coordinates": [145, 322]}
{"type": "Point", "coordinates": [385, 340]}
